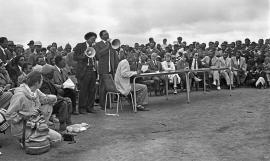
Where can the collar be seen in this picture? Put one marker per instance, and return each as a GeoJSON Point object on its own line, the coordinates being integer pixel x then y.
{"type": "Point", "coordinates": [87, 45]}
{"type": "Point", "coordinates": [2, 49]}
{"type": "Point", "coordinates": [104, 41]}
{"type": "Point", "coordinates": [20, 68]}
{"type": "Point", "coordinates": [32, 94]}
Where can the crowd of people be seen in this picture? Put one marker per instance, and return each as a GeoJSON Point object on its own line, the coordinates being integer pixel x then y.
{"type": "Point", "coordinates": [31, 79]}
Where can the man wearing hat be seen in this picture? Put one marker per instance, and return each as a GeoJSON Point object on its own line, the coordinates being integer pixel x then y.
{"type": "Point", "coordinates": [86, 73]}
{"type": "Point", "coordinates": [29, 51]}
{"type": "Point", "coordinates": [37, 49]}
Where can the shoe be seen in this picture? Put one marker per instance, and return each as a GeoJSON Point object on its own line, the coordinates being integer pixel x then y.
{"type": "Point", "coordinates": [81, 111]}
{"type": "Point", "coordinates": [91, 111]}
{"type": "Point", "coordinates": [75, 113]}
{"type": "Point", "coordinates": [218, 88]}
{"type": "Point", "coordinates": [141, 108]}
{"type": "Point", "coordinates": [214, 83]}
{"type": "Point", "coordinates": [175, 91]}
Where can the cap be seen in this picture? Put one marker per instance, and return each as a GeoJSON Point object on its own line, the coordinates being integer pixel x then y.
{"type": "Point", "coordinates": [19, 46]}
{"type": "Point", "coordinates": [31, 43]}
{"type": "Point", "coordinates": [38, 43]}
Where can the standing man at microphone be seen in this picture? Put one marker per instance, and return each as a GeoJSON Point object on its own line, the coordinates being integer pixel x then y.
{"type": "Point", "coordinates": [86, 73]}
{"type": "Point", "coordinates": [107, 62]}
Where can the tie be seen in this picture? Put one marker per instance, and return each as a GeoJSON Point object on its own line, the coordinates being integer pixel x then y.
{"type": "Point", "coordinates": [94, 64]}
{"type": "Point", "coordinates": [195, 66]}
{"type": "Point", "coordinates": [62, 75]}
{"type": "Point", "coordinates": [109, 60]}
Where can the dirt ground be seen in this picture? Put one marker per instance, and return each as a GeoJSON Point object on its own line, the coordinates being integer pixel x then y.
{"type": "Point", "coordinates": [213, 127]}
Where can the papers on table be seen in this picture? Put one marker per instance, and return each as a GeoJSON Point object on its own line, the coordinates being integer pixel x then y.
{"type": "Point", "coordinates": [144, 68]}
{"type": "Point", "coordinates": [69, 84]}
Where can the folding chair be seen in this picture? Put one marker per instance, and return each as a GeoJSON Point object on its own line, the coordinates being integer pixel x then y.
{"type": "Point", "coordinates": [110, 91]}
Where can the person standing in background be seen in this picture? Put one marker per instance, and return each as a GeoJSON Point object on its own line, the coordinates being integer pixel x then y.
{"type": "Point", "coordinates": [107, 62]}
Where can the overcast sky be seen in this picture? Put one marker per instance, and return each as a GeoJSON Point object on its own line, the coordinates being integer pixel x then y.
{"type": "Point", "coordinates": [133, 21]}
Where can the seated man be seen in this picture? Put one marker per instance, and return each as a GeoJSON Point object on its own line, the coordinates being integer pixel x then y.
{"type": "Point", "coordinates": [228, 64]}
{"type": "Point", "coordinates": [5, 85]}
{"type": "Point", "coordinates": [122, 81]}
{"type": "Point", "coordinates": [62, 108]}
{"type": "Point", "coordinates": [59, 77]}
{"type": "Point", "coordinates": [219, 62]}
{"type": "Point", "coordinates": [26, 69]}
{"type": "Point", "coordinates": [184, 64]}
{"type": "Point", "coordinates": [27, 101]}
{"type": "Point", "coordinates": [239, 63]}
{"type": "Point", "coordinates": [40, 61]}
{"type": "Point", "coordinates": [155, 66]}
{"type": "Point", "coordinates": [195, 64]}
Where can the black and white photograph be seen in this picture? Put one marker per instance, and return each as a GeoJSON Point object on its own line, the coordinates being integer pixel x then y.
{"type": "Point", "coordinates": [135, 80]}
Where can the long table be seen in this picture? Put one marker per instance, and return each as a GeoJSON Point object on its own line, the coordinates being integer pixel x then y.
{"type": "Point", "coordinates": [186, 72]}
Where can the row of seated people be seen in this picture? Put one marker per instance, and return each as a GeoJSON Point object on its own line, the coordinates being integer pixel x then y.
{"type": "Point", "coordinates": [241, 72]}
{"type": "Point", "coordinates": [53, 79]}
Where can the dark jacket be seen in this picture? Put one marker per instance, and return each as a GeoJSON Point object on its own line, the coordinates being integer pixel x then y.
{"type": "Point", "coordinates": [103, 58]}
{"type": "Point", "coordinates": [82, 60]}
{"type": "Point", "coordinates": [153, 68]}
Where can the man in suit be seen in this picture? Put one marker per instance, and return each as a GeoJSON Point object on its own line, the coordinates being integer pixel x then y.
{"type": "Point", "coordinates": [239, 63]}
{"type": "Point", "coordinates": [195, 64]}
{"type": "Point", "coordinates": [29, 51]}
{"type": "Point", "coordinates": [59, 77]}
{"type": "Point", "coordinates": [219, 62]}
{"type": "Point", "coordinates": [3, 46]}
{"type": "Point", "coordinates": [86, 73]}
{"type": "Point", "coordinates": [155, 66]}
{"type": "Point", "coordinates": [107, 62]}
{"type": "Point", "coordinates": [228, 64]}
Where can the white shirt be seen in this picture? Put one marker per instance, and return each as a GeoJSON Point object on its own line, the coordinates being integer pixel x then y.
{"type": "Point", "coordinates": [20, 68]}
{"type": "Point", "coordinates": [3, 50]}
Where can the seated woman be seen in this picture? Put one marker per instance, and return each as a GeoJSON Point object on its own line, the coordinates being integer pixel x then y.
{"type": "Point", "coordinates": [25, 103]}
{"type": "Point", "coordinates": [168, 65]}
{"type": "Point", "coordinates": [5, 85]}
